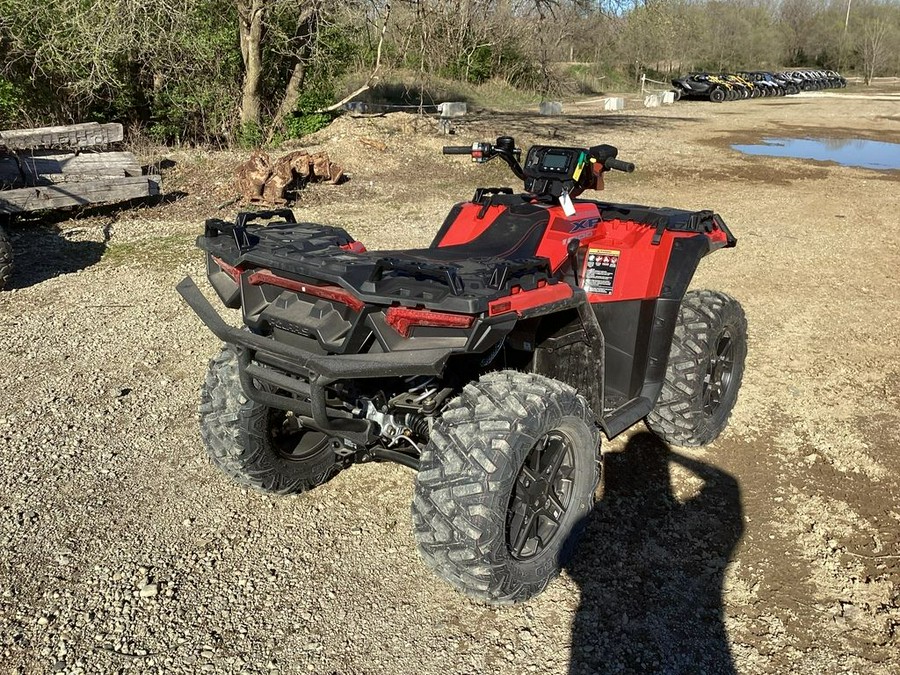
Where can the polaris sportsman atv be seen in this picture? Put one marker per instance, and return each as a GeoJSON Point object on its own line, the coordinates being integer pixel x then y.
{"type": "Point", "coordinates": [489, 361]}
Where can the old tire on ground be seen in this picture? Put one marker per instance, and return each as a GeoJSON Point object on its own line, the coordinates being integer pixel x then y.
{"type": "Point", "coordinates": [257, 446]}
{"type": "Point", "coordinates": [703, 375]}
{"type": "Point", "coordinates": [717, 95]}
{"type": "Point", "coordinates": [505, 484]}
{"type": "Point", "coordinates": [6, 259]}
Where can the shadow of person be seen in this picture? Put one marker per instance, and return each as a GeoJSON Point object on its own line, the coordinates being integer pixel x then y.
{"type": "Point", "coordinates": [651, 567]}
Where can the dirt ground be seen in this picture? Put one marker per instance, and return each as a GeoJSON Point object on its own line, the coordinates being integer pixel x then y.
{"type": "Point", "coordinates": [774, 550]}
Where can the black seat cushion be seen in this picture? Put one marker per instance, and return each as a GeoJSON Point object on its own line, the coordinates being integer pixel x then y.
{"type": "Point", "coordinates": [515, 234]}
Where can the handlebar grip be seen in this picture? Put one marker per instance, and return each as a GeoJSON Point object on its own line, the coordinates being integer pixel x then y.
{"type": "Point", "coordinates": [618, 165]}
{"type": "Point", "coordinates": [457, 149]}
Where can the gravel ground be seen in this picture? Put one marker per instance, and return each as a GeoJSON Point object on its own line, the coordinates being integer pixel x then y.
{"type": "Point", "coordinates": [775, 549]}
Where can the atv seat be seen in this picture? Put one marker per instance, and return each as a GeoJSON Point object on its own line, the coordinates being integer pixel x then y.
{"type": "Point", "coordinates": [515, 234]}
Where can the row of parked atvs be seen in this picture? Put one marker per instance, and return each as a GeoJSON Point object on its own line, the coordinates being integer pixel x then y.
{"type": "Point", "coordinates": [754, 84]}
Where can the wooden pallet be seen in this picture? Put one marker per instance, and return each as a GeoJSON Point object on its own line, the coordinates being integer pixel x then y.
{"type": "Point", "coordinates": [87, 135]}
{"type": "Point", "coordinates": [60, 167]}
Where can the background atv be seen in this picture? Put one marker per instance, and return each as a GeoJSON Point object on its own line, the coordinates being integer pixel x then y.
{"type": "Point", "coordinates": [489, 362]}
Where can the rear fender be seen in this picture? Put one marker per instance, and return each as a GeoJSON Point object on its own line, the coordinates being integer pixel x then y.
{"type": "Point", "coordinates": [566, 345]}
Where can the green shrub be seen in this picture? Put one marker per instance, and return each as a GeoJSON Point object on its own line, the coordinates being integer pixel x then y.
{"type": "Point", "coordinates": [298, 126]}
{"type": "Point", "coordinates": [10, 103]}
{"type": "Point", "coordinates": [306, 120]}
{"type": "Point", "coordinates": [248, 135]}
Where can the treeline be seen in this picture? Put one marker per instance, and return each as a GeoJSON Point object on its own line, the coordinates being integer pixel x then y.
{"type": "Point", "coordinates": [250, 71]}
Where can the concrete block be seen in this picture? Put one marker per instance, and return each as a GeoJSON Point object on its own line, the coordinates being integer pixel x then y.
{"type": "Point", "coordinates": [652, 101]}
{"type": "Point", "coordinates": [551, 108]}
{"type": "Point", "coordinates": [452, 109]}
{"type": "Point", "coordinates": [668, 98]}
{"type": "Point", "coordinates": [614, 103]}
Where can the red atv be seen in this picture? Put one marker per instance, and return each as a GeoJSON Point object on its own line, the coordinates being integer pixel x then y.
{"type": "Point", "coordinates": [489, 362]}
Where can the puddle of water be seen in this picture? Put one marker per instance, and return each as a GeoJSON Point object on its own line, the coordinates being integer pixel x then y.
{"type": "Point", "coordinates": [854, 152]}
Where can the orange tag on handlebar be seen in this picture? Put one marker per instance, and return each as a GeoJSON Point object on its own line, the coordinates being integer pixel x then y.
{"type": "Point", "coordinates": [597, 172]}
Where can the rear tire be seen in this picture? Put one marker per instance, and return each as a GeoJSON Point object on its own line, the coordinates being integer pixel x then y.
{"type": "Point", "coordinates": [6, 259]}
{"type": "Point", "coordinates": [703, 375]}
{"type": "Point", "coordinates": [717, 95]}
{"type": "Point", "coordinates": [256, 446]}
{"type": "Point", "coordinates": [505, 484]}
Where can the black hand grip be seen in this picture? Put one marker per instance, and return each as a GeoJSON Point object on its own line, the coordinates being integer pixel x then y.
{"type": "Point", "coordinates": [457, 149]}
{"type": "Point", "coordinates": [618, 165]}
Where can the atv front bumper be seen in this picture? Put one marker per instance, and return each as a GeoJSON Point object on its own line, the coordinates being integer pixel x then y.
{"type": "Point", "coordinates": [304, 374]}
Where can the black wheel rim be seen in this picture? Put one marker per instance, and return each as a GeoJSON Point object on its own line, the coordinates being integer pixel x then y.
{"type": "Point", "coordinates": [541, 496]}
{"type": "Point", "coordinates": [719, 374]}
{"type": "Point", "coordinates": [291, 440]}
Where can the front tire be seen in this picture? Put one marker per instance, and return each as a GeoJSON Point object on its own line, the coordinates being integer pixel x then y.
{"type": "Point", "coordinates": [6, 259]}
{"type": "Point", "coordinates": [505, 484]}
{"type": "Point", "coordinates": [257, 446]}
{"type": "Point", "coordinates": [704, 372]}
{"type": "Point", "coordinates": [717, 95]}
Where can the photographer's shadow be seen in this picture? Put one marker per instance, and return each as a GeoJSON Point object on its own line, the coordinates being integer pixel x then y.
{"type": "Point", "coordinates": [651, 567]}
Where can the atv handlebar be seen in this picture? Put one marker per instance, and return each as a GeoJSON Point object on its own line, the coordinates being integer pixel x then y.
{"type": "Point", "coordinates": [551, 171]}
{"type": "Point", "coordinates": [618, 165]}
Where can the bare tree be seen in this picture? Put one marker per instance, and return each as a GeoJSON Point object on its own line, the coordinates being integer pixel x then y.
{"type": "Point", "coordinates": [251, 29]}
{"type": "Point", "coordinates": [874, 48]}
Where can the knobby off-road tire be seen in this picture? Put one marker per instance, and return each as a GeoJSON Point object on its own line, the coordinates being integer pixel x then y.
{"type": "Point", "coordinates": [257, 446]}
{"type": "Point", "coordinates": [717, 95]}
{"type": "Point", "coordinates": [505, 484]}
{"type": "Point", "coordinates": [6, 259]}
{"type": "Point", "coordinates": [703, 376]}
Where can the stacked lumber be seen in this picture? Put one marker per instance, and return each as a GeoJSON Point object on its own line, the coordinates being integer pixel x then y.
{"type": "Point", "coordinates": [58, 167]}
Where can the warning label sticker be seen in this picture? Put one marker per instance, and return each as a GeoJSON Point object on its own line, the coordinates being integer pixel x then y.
{"type": "Point", "coordinates": [600, 270]}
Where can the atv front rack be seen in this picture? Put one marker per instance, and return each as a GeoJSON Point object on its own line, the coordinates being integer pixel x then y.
{"type": "Point", "coordinates": [662, 219]}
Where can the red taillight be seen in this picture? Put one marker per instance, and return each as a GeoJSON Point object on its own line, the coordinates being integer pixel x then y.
{"type": "Point", "coordinates": [354, 247]}
{"type": "Point", "coordinates": [233, 272]}
{"type": "Point", "coordinates": [401, 319]}
{"type": "Point", "coordinates": [335, 293]}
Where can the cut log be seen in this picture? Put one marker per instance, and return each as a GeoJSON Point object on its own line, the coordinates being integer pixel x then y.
{"type": "Point", "coordinates": [262, 181]}
{"type": "Point", "coordinates": [72, 136]}
{"type": "Point", "coordinates": [99, 191]}
{"type": "Point", "coordinates": [278, 182]}
{"type": "Point", "coordinates": [253, 174]}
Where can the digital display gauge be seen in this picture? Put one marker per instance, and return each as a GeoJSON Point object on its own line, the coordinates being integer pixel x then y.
{"type": "Point", "coordinates": [556, 161]}
{"type": "Point", "coordinates": [553, 170]}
